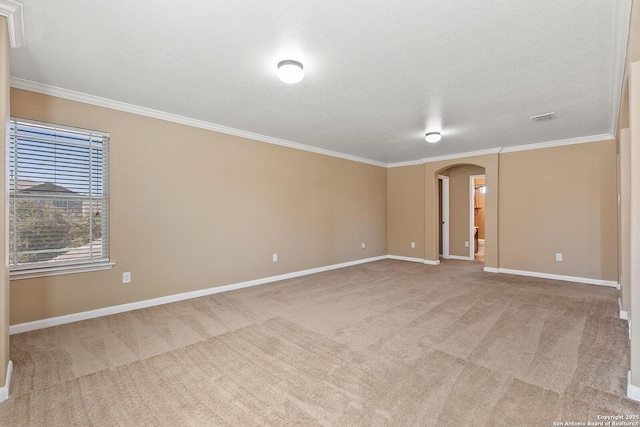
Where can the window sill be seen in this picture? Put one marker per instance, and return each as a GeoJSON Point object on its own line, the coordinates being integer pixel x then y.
{"type": "Point", "coordinates": [58, 270]}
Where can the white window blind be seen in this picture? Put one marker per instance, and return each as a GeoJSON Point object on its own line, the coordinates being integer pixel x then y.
{"type": "Point", "coordinates": [58, 183]}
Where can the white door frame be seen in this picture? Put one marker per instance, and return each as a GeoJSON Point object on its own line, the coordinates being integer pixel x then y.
{"type": "Point", "coordinates": [445, 216]}
{"type": "Point", "coordinates": [472, 192]}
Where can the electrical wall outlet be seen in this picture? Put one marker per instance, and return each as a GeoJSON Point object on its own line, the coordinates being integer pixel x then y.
{"type": "Point", "coordinates": [466, 244]}
{"type": "Point", "coordinates": [275, 257]}
{"type": "Point", "coordinates": [558, 257]}
{"type": "Point", "coordinates": [126, 277]}
{"type": "Point", "coordinates": [413, 245]}
{"type": "Point", "coordinates": [363, 245]}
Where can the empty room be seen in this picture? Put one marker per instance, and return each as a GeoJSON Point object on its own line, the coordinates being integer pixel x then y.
{"type": "Point", "coordinates": [419, 213]}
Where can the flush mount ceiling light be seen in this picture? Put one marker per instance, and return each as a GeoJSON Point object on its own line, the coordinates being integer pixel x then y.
{"type": "Point", "coordinates": [290, 71]}
{"type": "Point", "coordinates": [433, 137]}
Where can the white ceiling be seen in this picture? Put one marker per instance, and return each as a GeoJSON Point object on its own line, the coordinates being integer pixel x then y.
{"type": "Point", "coordinates": [379, 74]}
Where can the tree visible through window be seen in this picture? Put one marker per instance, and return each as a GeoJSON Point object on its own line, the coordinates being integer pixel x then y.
{"type": "Point", "coordinates": [58, 196]}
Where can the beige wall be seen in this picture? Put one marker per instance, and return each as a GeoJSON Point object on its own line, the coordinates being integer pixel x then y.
{"type": "Point", "coordinates": [193, 209]}
{"type": "Point", "coordinates": [405, 211]}
{"type": "Point", "coordinates": [409, 186]}
{"type": "Point", "coordinates": [538, 203]}
{"type": "Point", "coordinates": [4, 271]}
{"type": "Point", "coordinates": [459, 208]}
{"type": "Point", "coordinates": [575, 210]}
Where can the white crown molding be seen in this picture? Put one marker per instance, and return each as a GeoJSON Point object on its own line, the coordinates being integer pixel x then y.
{"type": "Point", "coordinates": [622, 19]}
{"type": "Point", "coordinates": [445, 157]}
{"type": "Point", "coordinates": [403, 164]}
{"type": "Point", "coordinates": [558, 143]}
{"type": "Point", "coordinates": [148, 112]}
{"type": "Point", "coordinates": [13, 11]}
{"type": "Point", "coordinates": [462, 155]}
{"type": "Point", "coordinates": [501, 150]}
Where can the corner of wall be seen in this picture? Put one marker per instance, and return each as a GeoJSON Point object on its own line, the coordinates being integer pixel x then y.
{"type": "Point", "coordinates": [4, 391]}
{"type": "Point", "coordinates": [633, 392]}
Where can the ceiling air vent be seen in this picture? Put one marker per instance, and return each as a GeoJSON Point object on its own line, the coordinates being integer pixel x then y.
{"type": "Point", "coordinates": [544, 117]}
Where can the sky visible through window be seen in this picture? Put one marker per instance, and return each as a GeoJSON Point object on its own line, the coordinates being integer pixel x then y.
{"type": "Point", "coordinates": [68, 159]}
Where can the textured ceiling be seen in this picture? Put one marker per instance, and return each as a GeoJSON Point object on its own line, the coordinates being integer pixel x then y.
{"type": "Point", "coordinates": [378, 73]}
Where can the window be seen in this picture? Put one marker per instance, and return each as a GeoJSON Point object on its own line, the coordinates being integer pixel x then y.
{"type": "Point", "coordinates": [58, 203]}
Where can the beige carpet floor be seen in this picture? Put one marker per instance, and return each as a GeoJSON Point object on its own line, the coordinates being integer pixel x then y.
{"type": "Point", "coordinates": [385, 343]}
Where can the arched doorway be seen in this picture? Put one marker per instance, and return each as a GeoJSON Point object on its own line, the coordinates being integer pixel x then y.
{"type": "Point", "coordinates": [457, 235]}
{"type": "Point", "coordinates": [487, 161]}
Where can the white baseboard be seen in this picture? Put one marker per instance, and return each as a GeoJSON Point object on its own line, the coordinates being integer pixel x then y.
{"type": "Point", "coordinates": [420, 260]}
{"type": "Point", "coordinates": [405, 258]}
{"type": "Point", "coordinates": [75, 317]}
{"type": "Point", "coordinates": [623, 314]}
{"type": "Point", "coordinates": [463, 258]}
{"type": "Point", "coordinates": [4, 391]}
{"type": "Point", "coordinates": [633, 392]}
{"type": "Point", "coordinates": [586, 280]}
